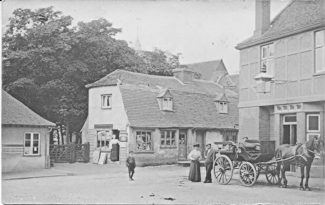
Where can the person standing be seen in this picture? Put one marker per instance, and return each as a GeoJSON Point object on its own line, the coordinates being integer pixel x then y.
{"type": "Point", "coordinates": [209, 157]}
{"type": "Point", "coordinates": [195, 156]}
{"type": "Point", "coordinates": [115, 148]}
{"type": "Point", "coordinates": [130, 163]}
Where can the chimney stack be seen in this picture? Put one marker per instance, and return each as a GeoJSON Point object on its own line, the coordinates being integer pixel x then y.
{"type": "Point", "coordinates": [184, 74]}
{"type": "Point", "coordinates": [262, 16]}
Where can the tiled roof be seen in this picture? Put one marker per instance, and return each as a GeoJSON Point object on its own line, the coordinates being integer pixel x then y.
{"type": "Point", "coordinates": [154, 81]}
{"type": "Point", "coordinates": [210, 70]}
{"type": "Point", "coordinates": [16, 113]}
{"type": "Point", "coordinates": [190, 109]}
{"type": "Point", "coordinates": [298, 16]}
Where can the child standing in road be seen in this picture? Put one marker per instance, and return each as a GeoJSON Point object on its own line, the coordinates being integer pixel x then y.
{"type": "Point", "coordinates": [130, 163]}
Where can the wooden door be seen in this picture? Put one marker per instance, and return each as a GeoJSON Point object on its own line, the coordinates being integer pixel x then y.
{"type": "Point", "coordinates": [182, 143]}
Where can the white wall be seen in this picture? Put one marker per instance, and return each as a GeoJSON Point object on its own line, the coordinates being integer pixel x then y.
{"type": "Point", "coordinates": [213, 136]}
{"type": "Point", "coordinates": [116, 115]}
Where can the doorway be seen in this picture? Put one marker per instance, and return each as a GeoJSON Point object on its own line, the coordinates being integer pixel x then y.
{"type": "Point", "coordinates": [289, 133]}
{"type": "Point", "coordinates": [200, 139]}
{"type": "Point", "coordinates": [289, 127]}
{"type": "Point", "coordinates": [182, 143]}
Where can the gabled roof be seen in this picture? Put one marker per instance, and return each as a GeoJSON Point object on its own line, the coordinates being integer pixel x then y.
{"type": "Point", "coordinates": [190, 110]}
{"type": "Point", "coordinates": [221, 97]}
{"type": "Point", "coordinates": [154, 81]}
{"type": "Point", "coordinates": [164, 93]}
{"type": "Point", "coordinates": [297, 16]}
{"type": "Point", "coordinates": [16, 113]}
{"type": "Point", "coordinates": [209, 70]}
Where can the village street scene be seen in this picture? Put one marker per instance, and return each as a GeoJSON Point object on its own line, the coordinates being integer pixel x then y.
{"type": "Point", "coordinates": [163, 102]}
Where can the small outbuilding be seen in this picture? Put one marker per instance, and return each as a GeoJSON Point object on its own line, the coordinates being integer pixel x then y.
{"type": "Point", "coordinates": [25, 137]}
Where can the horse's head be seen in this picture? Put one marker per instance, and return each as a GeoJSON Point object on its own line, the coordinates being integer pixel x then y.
{"type": "Point", "coordinates": [315, 145]}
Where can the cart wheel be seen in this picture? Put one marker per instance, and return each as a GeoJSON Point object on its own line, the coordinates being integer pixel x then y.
{"type": "Point", "coordinates": [271, 174]}
{"type": "Point", "coordinates": [247, 174]}
{"type": "Point", "coordinates": [258, 171]}
{"type": "Point", "coordinates": [223, 169]}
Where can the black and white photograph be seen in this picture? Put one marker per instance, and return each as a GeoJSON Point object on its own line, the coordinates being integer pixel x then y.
{"type": "Point", "coordinates": [163, 102]}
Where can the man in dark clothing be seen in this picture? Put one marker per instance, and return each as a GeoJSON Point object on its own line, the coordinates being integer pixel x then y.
{"type": "Point", "coordinates": [130, 163]}
{"type": "Point", "coordinates": [209, 157]}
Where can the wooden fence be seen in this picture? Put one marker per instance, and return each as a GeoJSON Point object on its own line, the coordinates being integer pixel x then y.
{"type": "Point", "coordinates": [69, 153]}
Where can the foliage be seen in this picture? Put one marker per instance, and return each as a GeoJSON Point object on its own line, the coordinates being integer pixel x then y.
{"type": "Point", "coordinates": [47, 62]}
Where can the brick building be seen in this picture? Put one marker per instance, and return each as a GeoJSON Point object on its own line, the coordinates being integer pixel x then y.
{"type": "Point", "coordinates": [159, 117]}
{"type": "Point", "coordinates": [282, 74]}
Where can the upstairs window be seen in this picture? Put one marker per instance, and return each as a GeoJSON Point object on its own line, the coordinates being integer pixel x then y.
{"type": "Point", "coordinates": [167, 104]}
{"type": "Point", "coordinates": [319, 51]}
{"type": "Point", "coordinates": [32, 144]}
{"type": "Point", "coordinates": [267, 54]}
{"type": "Point", "coordinates": [223, 107]}
{"type": "Point", "coordinates": [106, 101]}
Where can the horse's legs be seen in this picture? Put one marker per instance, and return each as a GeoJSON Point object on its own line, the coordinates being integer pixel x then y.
{"type": "Point", "coordinates": [278, 173]}
{"type": "Point", "coordinates": [307, 176]}
{"type": "Point", "coordinates": [283, 176]}
{"type": "Point", "coordinates": [302, 172]}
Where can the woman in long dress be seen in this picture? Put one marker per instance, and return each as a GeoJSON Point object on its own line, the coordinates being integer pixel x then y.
{"type": "Point", "coordinates": [195, 156]}
{"type": "Point", "coordinates": [114, 143]}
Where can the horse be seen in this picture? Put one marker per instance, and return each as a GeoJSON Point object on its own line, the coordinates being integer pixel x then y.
{"type": "Point", "coordinates": [301, 155]}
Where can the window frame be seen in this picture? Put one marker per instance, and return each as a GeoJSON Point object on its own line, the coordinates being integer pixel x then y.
{"type": "Point", "coordinates": [103, 100]}
{"type": "Point", "coordinates": [268, 59]}
{"type": "Point", "coordinates": [168, 104]}
{"type": "Point", "coordinates": [312, 133]}
{"type": "Point", "coordinates": [164, 137]}
{"type": "Point", "coordinates": [307, 123]}
{"type": "Point", "coordinates": [322, 48]}
{"type": "Point", "coordinates": [223, 107]}
{"type": "Point", "coordinates": [100, 144]}
{"type": "Point", "coordinates": [31, 144]}
{"type": "Point", "coordinates": [152, 142]}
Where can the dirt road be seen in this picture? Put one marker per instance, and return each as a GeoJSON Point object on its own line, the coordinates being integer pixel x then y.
{"type": "Point", "coordinates": [88, 183]}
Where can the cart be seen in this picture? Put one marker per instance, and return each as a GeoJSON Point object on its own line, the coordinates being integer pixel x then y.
{"type": "Point", "coordinates": [251, 158]}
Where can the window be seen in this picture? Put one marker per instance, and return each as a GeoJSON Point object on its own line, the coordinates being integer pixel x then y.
{"type": "Point", "coordinates": [313, 123]}
{"type": "Point", "coordinates": [32, 144]}
{"type": "Point", "coordinates": [310, 135]}
{"type": "Point", "coordinates": [289, 119]}
{"type": "Point", "coordinates": [103, 138]}
{"type": "Point", "coordinates": [223, 107]}
{"type": "Point", "coordinates": [167, 104]}
{"type": "Point", "coordinates": [267, 53]}
{"type": "Point", "coordinates": [106, 101]}
{"type": "Point", "coordinates": [168, 138]}
{"type": "Point", "coordinates": [144, 141]}
{"type": "Point", "coordinates": [319, 51]}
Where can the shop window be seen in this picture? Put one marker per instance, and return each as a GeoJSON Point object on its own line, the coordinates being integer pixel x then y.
{"type": "Point", "coordinates": [144, 141]}
{"type": "Point", "coordinates": [32, 144]}
{"type": "Point", "coordinates": [313, 123]}
{"type": "Point", "coordinates": [168, 138]}
{"type": "Point", "coordinates": [106, 101]}
{"type": "Point", "coordinates": [320, 51]}
{"type": "Point", "coordinates": [103, 138]}
{"type": "Point", "coordinates": [267, 53]}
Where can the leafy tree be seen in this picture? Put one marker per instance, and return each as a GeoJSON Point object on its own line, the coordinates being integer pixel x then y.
{"type": "Point", "coordinates": [47, 62]}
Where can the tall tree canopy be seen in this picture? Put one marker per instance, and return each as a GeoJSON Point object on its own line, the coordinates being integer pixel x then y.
{"type": "Point", "coordinates": [47, 62]}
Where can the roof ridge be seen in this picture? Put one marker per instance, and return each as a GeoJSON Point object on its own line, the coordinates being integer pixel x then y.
{"type": "Point", "coordinates": [144, 74]}
{"type": "Point", "coordinates": [218, 60]}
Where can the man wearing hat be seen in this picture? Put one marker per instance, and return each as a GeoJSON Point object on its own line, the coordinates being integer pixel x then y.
{"type": "Point", "coordinates": [209, 157]}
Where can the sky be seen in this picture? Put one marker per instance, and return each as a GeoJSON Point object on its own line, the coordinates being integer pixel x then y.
{"type": "Point", "coordinates": [200, 30]}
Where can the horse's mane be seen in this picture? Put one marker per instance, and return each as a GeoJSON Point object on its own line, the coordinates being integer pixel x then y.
{"type": "Point", "coordinates": [310, 143]}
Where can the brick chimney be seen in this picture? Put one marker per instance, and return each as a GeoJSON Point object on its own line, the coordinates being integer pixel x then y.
{"type": "Point", "coordinates": [184, 74]}
{"type": "Point", "coordinates": [262, 16]}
